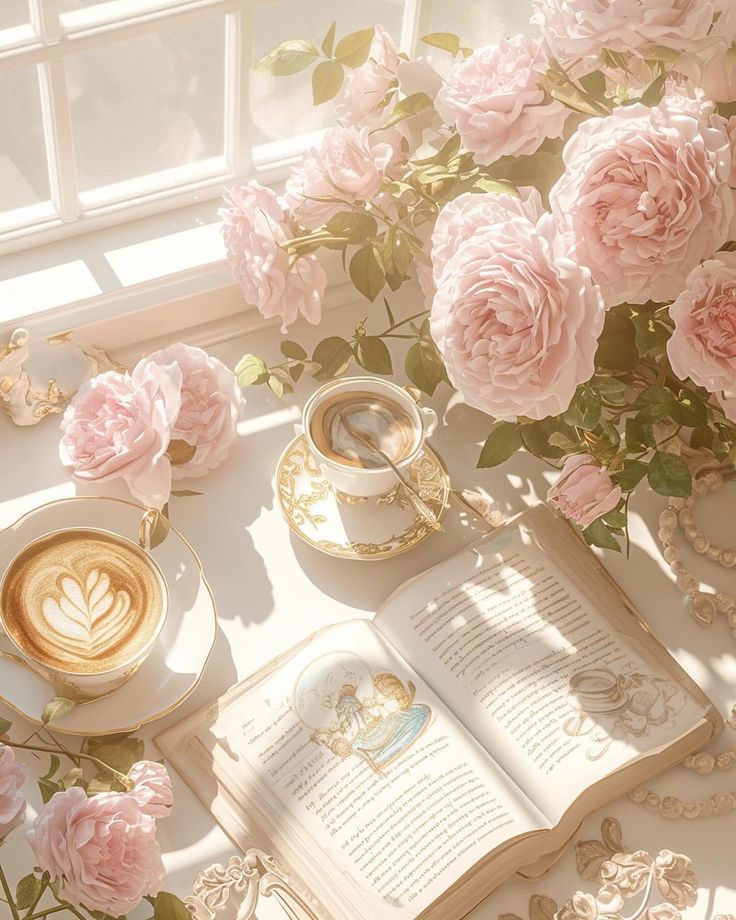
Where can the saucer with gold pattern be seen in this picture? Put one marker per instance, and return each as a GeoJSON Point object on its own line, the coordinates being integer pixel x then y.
{"type": "Point", "coordinates": [352, 527]}
{"type": "Point", "coordinates": [176, 661]}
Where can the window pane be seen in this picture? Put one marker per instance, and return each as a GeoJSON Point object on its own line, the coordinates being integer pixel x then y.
{"type": "Point", "coordinates": [23, 173]}
{"type": "Point", "coordinates": [148, 103]}
{"type": "Point", "coordinates": [13, 13]}
{"type": "Point", "coordinates": [479, 22]}
{"type": "Point", "coordinates": [283, 105]}
{"type": "Point", "coordinates": [68, 6]}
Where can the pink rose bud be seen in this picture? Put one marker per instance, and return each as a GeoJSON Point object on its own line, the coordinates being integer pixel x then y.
{"type": "Point", "coordinates": [12, 800]}
{"type": "Point", "coordinates": [584, 491]}
{"type": "Point", "coordinates": [152, 787]}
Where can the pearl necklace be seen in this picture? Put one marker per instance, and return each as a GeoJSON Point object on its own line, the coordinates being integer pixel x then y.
{"type": "Point", "coordinates": [703, 604]}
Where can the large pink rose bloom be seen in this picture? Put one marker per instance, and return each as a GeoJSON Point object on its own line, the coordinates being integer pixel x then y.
{"type": "Point", "coordinates": [254, 231]}
{"type": "Point", "coordinates": [12, 800]}
{"type": "Point", "coordinates": [102, 849]}
{"type": "Point", "coordinates": [584, 491]}
{"type": "Point", "coordinates": [497, 103]}
{"type": "Point", "coordinates": [644, 197]}
{"type": "Point", "coordinates": [703, 344]}
{"type": "Point", "coordinates": [119, 426]}
{"type": "Point", "coordinates": [349, 164]}
{"type": "Point", "coordinates": [152, 788]}
{"type": "Point", "coordinates": [576, 29]}
{"type": "Point", "coordinates": [516, 324]}
{"type": "Point", "coordinates": [211, 406]}
{"type": "Point", "coordinates": [365, 87]}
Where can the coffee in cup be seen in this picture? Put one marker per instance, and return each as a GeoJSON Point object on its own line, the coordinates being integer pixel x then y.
{"type": "Point", "coordinates": [84, 607]}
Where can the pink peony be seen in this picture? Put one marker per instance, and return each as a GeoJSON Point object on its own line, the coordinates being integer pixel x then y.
{"type": "Point", "coordinates": [460, 218]}
{"type": "Point", "coordinates": [577, 29]}
{"type": "Point", "coordinates": [103, 849]}
{"type": "Point", "coordinates": [349, 165]}
{"type": "Point", "coordinates": [496, 100]}
{"type": "Point", "coordinates": [152, 788]}
{"type": "Point", "coordinates": [516, 324]}
{"type": "Point", "coordinates": [365, 87]}
{"type": "Point", "coordinates": [12, 800]}
{"type": "Point", "coordinates": [254, 233]}
{"type": "Point", "coordinates": [703, 344]}
{"type": "Point", "coordinates": [583, 491]}
{"type": "Point", "coordinates": [644, 197]}
{"type": "Point", "coordinates": [211, 405]}
{"type": "Point", "coordinates": [119, 426]}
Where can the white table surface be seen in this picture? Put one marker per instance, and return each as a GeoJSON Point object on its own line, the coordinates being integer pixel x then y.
{"type": "Point", "coordinates": [271, 590]}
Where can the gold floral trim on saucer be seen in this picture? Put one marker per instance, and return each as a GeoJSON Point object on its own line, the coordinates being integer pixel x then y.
{"type": "Point", "coordinates": [352, 527]}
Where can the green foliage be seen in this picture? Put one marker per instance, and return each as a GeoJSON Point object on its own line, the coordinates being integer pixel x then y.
{"type": "Point", "coordinates": [353, 50]}
{"type": "Point", "coordinates": [251, 369]}
{"type": "Point", "coordinates": [169, 907]}
{"type": "Point", "coordinates": [503, 441]}
{"type": "Point", "coordinates": [327, 78]}
{"type": "Point", "coordinates": [56, 708]}
{"type": "Point", "coordinates": [408, 107]}
{"type": "Point", "coordinates": [372, 354]}
{"type": "Point", "coordinates": [27, 891]}
{"type": "Point", "coordinates": [423, 364]}
{"type": "Point", "coordinates": [668, 474]}
{"type": "Point", "coordinates": [290, 57]}
{"type": "Point", "coordinates": [366, 271]}
{"type": "Point", "coordinates": [333, 355]}
{"type": "Point", "coordinates": [617, 343]}
{"type": "Point", "coordinates": [4, 727]}
{"type": "Point", "coordinates": [600, 534]}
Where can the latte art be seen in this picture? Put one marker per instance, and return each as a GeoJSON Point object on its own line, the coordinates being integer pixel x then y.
{"type": "Point", "coordinates": [82, 601]}
{"type": "Point", "coordinates": [347, 427]}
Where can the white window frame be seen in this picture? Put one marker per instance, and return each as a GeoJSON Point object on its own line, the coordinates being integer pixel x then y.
{"type": "Point", "coordinates": [200, 302]}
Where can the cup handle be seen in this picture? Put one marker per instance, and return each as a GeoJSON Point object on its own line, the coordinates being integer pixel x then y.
{"type": "Point", "coordinates": [430, 420]}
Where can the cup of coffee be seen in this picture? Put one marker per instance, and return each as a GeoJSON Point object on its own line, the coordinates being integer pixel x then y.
{"type": "Point", "coordinates": [83, 607]}
{"type": "Point", "coordinates": [352, 425]}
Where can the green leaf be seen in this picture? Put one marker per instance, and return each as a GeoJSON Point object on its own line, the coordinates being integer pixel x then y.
{"type": "Point", "coordinates": [276, 385]}
{"type": "Point", "coordinates": [536, 437]}
{"type": "Point", "coordinates": [653, 330]}
{"type": "Point", "coordinates": [638, 434]}
{"type": "Point", "coordinates": [333, 355]}
{"type": "Point", "coordinates": [27, 890]}
{"type": "Point", "coordinates": [597, 534]}
{"type": "Point", "coordinates": [185, 493]}
{"type": "Point", "coordinates": [366, 272]}
{"type": "Point", "coordinates": [654, 403]}
{"type": "Point", "coordinates": [401, 254]}
{"type": "Point", "coordinates": [701, 437]}
{"type": "Point", "coordinates": [4, 726]}
{"type": "Point", "coordinates": [296, 371]}
{"type": "Point", "coordinates": [54, 764]}
{"type": "Point", "coordinates": [652, 95]}
{"type": "Point", "coordinates": [689, 410]}
{"type": "Point", "coordinates": [356, 226]}
{"type": "Point", "coordinates": [617, 344]}
{"type": "Point", "coordinates": [48, 789]}
{"type": "Point", "coordinates": [353, 50]}
{"type": "Point", "coordinates": [251, 370]}
{"type": "Point", "coordinates": [56, 708]}
{"type": "Point", "coordinates": [424, 366]}
{"type": "Point", "coordinates": [372, 354]}
{"type": "Point", "coordinates": [119, 753]}
{"type": "Point", "coordinates": [168, 907]}
{"type": "Point", "coordinates": [327, 78]}
{"type": "Point", "coordinates": [160, 530]}
{"type": "Point", "coordinates": [408, 107]}
{"type": "Point", "coordinates": [585, 409]}
{"type": "Point", "coordinates": [487, 185]}
{"type": "Point", "coordinates": [594, 84]}
{"type": "Point", "coordinates": [615, 519]}
{"type": "Point", "coordinates": [630, 474]}
{"type": "Point", "coordinates": [73, 777]}
{"type": "Point", "coordinates": [290, 57]}
{"type": "Point", "coordinates": [328, 42]}
{"type": "Point", "coordinates": [180, 452]}
{"type": "Point", "coordinates": [445, 40]}
{"type": "Point", "coordinates": [503, 441]}
{"type": "Point", "coordinates": [293, 350]}
{"type": "Point", "coordinates": [668, 474]}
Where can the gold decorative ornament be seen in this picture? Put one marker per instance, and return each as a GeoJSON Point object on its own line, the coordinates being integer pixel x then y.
{"type": "Point", "coordinates": [362, 528]}
{"type": "Point", "coordinates": [28, 392]}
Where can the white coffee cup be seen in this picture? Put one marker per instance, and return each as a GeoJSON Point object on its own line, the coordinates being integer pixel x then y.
{"type": "Point", "coordinates": [358, 481]}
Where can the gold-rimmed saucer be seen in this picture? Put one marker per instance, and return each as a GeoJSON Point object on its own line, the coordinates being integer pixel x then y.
{"type": "Point", "coordinates": [176, 663]}
{"type": "Point", "coordinates": [357, 528]}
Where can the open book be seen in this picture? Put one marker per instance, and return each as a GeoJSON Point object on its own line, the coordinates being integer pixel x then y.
{"type": "Point", "coordinates": [405, 767]}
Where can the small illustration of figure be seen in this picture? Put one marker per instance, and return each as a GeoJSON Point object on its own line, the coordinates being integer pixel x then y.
{"type": "Point", "coordinates": [609, 706]}
{"type": "Point", "coordinates": [353, 712]}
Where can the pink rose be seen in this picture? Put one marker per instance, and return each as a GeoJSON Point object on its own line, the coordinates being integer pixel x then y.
{"type": "Point", "coordinates": [152, 788]}
{"type": "Point", "coordinates": [718, 67]}
{"type": "Point", "coordinates": [12, 800]}
{"type": "Point", "coordinates": [211, 405]}
{"type": "Point", "coordinates": [119, 426]}
{"type": "Point", "coordinates": [496, 100]}
{"type": "Point", "coordinates": [461, 217]}
{"type": "Point", "coordinates": [703, 344]}
{"type": "Point", "coordinates": [366, 86]}
{"type": "Point", "coordinates": [576, 29]}
{"type": "Point", "coordinates": [644, 197]}
{"type": "Point", "coordinates": [349, 164]}
{"type": "Point", "coordinates": [516, 324]}
{"type": "Point", "coordinates": [583, 491]}
{"type": "Point", "coordinates": [254, 232]}
{"type": "Point", "coordinates": [103, 849]}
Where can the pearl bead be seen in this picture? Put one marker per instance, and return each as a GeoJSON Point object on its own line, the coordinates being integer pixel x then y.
{"type": "Point", "coordinates": [665, 534]}
{"type": "Point", "coordinates": [703, 608]}
{"type": "Point", "coordinates": [728, 558]}
{"type": "Point", "coordinates": [690, 809]}
{"type": "Point", "coordinates": [639, 794]}
{"type": "Point", "coordinates": [668, 518]}
{"type": "Point", "coordinates": [678, 568]}
{"type": "Point", "coordinates": [677, 503]}
{"type": "Point", "coordinates": [686, 518]}
{"type": "Point", "coordinates": [671, 807]}
{"type": "Point", "coordinates": [671, 554]}
{"type": "Point", "coordinates": [724, 760]}
{"type": "Point", "coordinates": [700, 544]}
{"type": "Point", "coordinates": [687, 582]}
{"type": "Point", "coordinates": [705, 808]}
{"type": "Point", "coordinates": [704, 763]}
{"type": "Point", "coordinates": [714, 553]}
{"type": "Point", "coordinates": [652, 801]}
{"type": "Point", "coordinates": [691, 532]}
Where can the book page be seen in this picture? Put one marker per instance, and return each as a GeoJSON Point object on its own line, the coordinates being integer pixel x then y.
{"type": "Point", "coordinates": [548, 685]}
{"type": "Point", "coordinates": [374, 768]}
